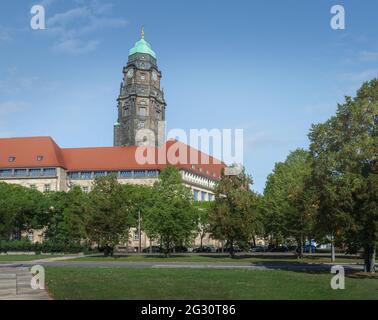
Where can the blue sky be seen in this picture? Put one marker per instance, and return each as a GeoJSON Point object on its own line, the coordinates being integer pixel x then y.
{"type": "Point", "coordinates": [270, 67]}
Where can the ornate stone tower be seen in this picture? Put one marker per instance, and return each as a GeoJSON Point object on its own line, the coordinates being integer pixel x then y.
{"type": "Point", "coordinates": [141, 104]}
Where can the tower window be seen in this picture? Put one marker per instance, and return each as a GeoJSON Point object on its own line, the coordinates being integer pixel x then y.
{"type": "Point", "coordinates": [142, 111]}
{"type": "Point", "coordinates": [141, 125]}
{"type": "Point", "coordinates": [142, 77]}
{"type": "Point", "coordinates": [126, 112]}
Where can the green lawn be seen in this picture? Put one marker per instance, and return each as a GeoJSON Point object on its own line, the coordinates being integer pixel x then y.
{"type": "Point", "coordinates": [220, 258]}
{"type": "Point", "coordinates": [149, 283]}
{"type": "Point", "coordinates": [24, 257]}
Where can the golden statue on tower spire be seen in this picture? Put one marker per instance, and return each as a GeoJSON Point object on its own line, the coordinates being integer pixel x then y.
{"type": "Point", "coordinates": [142, 32]}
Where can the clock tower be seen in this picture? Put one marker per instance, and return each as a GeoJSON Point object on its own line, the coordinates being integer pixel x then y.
{"type": "Point", "coordinates": [141, 104]}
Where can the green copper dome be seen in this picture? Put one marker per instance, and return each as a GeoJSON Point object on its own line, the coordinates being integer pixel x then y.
{"type": "Point", "coordinates": [142, 46]}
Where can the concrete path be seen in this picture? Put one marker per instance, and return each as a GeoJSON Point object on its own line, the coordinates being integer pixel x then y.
{"type": "Point", "coordinates": [125, 264]}
{"type": "Point", "coordinates": [15, 284]}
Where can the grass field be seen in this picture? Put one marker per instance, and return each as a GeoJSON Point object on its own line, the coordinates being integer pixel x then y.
{"type": "Point", "coordinates": [221, 258]}
{"type": "Point", "coordinates": [24, 257]}
{"type": "Point", "coordinates": [198, 284]}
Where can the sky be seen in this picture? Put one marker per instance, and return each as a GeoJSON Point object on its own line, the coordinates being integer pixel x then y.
{"type": "Point", "coordinates": [272, 68]}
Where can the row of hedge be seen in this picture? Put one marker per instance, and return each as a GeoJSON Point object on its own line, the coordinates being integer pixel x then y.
{"type": "Point", "coordinates": [47, 246]}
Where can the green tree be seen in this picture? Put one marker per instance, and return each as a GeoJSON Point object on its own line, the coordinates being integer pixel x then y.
{"type": "Point", "coordinates": [138, 199]}
{"type": "Point", "coordinates": [288, 197]}
{"type": "Point", "coordinates": [21, 209]}
{"type": "Point", "coordinates": [234, 211]}
{"type": "Point", "coordinates": [204, 208]}
{"type": "Point", "coordinates": [7, 211]}
{"type": "Point", "coordinates": [171, 218]}
{"type": "Point", "coordinates": [110, 216]}
{"type": "Point", "coordinates": [68, 215]}
{"type": "Point", "coordinates": [345, 170]}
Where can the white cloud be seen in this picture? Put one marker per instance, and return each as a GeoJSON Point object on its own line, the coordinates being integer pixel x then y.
{"type": "Point", "coordinates": [76, 46]}
{"type": "Point", "coordinates": [65, 18]}
{"type": "Point", "coordinates": [74, 29]}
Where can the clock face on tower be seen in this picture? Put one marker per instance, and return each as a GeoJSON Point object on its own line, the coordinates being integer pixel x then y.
{"type": "Point", "coordinates": [130, 73]}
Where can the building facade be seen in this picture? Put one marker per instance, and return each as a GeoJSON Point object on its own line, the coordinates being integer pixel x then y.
{"type": "Point", "coordinates": [39, 163]}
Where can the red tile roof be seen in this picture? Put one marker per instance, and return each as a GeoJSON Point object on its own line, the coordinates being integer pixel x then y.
{"type": "Point", "coordinates": [26, 150]}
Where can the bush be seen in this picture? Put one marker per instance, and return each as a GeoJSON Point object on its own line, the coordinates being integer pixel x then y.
{"type": "Point", "coordinates": [16, 245]}
{"type": "Point", "coordinates": [48, 246]}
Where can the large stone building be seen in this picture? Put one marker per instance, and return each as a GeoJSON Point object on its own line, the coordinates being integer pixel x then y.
{"type": "Point", "coordinates": [39, 163]}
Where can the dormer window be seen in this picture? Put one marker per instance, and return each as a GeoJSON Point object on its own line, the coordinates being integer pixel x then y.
{"type": "Point", "coordinates": [39, 158]}
{"type": "Point", "coordinates": [11, 159]}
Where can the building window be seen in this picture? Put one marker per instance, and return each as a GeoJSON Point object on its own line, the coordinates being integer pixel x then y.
{"type": "Point", "coordinates": [74, 175]}
{"type": "Point", "coordinates": [32, 186]}
{"type": "Point", "coordinates": [136, 236]}
{"type": "Point", "coordinates": [39, 158]}
{"type": "Point", "coordinates": [195, 194]}
{"type": "Point", "coordinates": [203, 196]}
{"type": "Point", "coordinates": [5, 173]}
{"type": "Point", "coordinates": [152, 173]}
{"type": "Point", "coordinates": [46, 188]}
{"type": "Point", "coordinates": [126, 112]}
{"type": "Point", "coordinates": [100, 174]}
{"type": "Point", "coordinates": [86, 175]}
{"type": "Point", "coordinates": [35, 172]}
{"type": "Point", "coordinates": [141, 125]}
{"type": "Point", "coordinates": [20, 172]}
{"type": "Point", "coordinates": [142, 76]}
{"type": "Point", "coordinates": [126, 174]}
{"type": "Point", "coordinates": [11, 159]}
{"type": "Point", "coordinates": [211, 197]}
{"type": "Point", "coordinates": [30, 236]}
{"type": "Point", "coordinates": [142, 111]}
{"type": "Point", "coordinates": [139, 173]}
{"type": "Point", "coordinates": [86, 189]}
{"type": "Point", "coordinates": [49, 172]}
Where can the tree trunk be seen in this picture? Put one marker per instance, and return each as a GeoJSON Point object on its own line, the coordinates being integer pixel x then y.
{"type": "Point", "coordinates": [333, 255]}
{"type": "Point", "coordinates": [310, 245]}
{"type": "Point", "coordinates": [254, 241]}
{"type": "Point", "coordinates": [232, 252]}
{"type": "Point", "coordinates": [300, 246]}
{"type": "Point", "coordinates": [202, 235]}
{"type": "Point", "coordinates": [369, 258]}
{"type": "Point", "coordinates": [127, 241]}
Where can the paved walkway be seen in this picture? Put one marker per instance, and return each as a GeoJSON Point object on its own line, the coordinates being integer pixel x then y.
{"type": "Point", "coordinates": [15, 284]}
{"type": "Point", "coordinates": [125, 264]}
